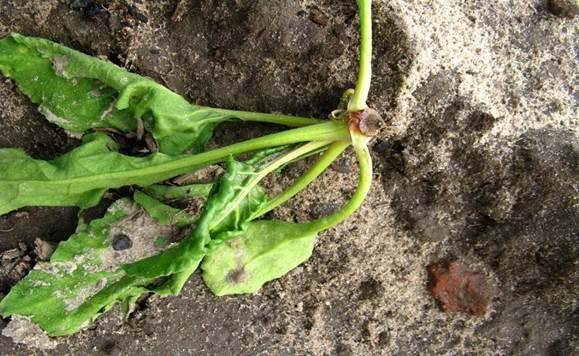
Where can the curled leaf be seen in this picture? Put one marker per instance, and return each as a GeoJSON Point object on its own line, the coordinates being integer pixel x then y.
{"type": "Point", "coordinates": [226, 214]}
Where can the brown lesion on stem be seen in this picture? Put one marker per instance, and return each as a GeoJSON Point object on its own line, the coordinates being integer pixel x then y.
{"type": "Point", "coordinates": [367, 122]}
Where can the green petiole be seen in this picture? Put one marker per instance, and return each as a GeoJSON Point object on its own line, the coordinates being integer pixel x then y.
{"type": "Point", "coordinates": [360, 97]}
{"type": "Point", "coordinates": [324, 132]}
{"type": "Point", "coordinates": [333, 151]}
{"type": "Point", "coordinates": [280, 119]}
{"type": "Point", "coordinates": [364, 183]}
{"type": "Point", "coordinates": [300, 151]}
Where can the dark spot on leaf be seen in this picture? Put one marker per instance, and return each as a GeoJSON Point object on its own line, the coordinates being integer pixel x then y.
{"type": "Point", "coordinates": [237, 275]}
{"type": "Point", "coordinates": [122, 242]}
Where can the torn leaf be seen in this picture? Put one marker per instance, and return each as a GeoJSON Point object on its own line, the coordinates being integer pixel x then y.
{"type": "Point", "coordinates": [84, 277]}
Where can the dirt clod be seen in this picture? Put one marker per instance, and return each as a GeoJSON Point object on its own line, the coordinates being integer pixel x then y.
{"type": "Point", "coordinates": [458, 289]}
{"type": "Point", "coordinates": [14, 265]}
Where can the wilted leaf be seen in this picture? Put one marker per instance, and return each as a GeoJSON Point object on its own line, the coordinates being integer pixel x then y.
{"type": "Point", "coordinates": [225, 214]}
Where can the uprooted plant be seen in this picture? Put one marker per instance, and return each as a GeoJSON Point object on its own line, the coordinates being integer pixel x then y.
{"type": "Point", "coordinates": [135, 247]}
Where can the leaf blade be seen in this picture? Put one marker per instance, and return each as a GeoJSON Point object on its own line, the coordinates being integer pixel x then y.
{"type": "Point", "coordinates": [79, 92]}
{"type": "Point", "coordinates": [265, 252]}
{"type": "Point", "coordinates": [84, 277]}
{"type": "Point", "coordinates": [78, 178]}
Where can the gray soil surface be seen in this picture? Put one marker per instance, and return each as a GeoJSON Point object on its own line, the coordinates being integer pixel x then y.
{"type": "Point", "coordinates": [478, 163]}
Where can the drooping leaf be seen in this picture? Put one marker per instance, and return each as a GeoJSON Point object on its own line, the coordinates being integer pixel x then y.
{"type": "Point", "coordinates": [226, 214]}
{"type": "Point", "coordinates": [234, 201]}
{"type": "Point", "coordinates": [79, 92]}
{"type": "Point", "coordinates": [266, 251]}
{"type": "Point", "coordinates": [84, 277]}
{"type": "Point", "coordinates": [78, 178]}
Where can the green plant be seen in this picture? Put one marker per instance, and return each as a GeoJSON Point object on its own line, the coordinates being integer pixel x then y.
{"type": "Point", "coordinates": [129, 251]}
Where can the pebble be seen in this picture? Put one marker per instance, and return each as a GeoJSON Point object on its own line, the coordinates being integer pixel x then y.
{"type": "Point", "coordinates": [122, 242]}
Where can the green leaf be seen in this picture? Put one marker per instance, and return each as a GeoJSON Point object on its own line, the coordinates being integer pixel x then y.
{"type": "Point", "coordinates": [163, 214]}
{"type": "Point", "coordinates": [78, 178]}
{"type": "Point", "coordinates": [79, 92]}
{"type": "Point", "coordinates": [84, 277]}
{"type": "Point", "coordinates": [226, 214]}
{"type": "Point", "coordinates": [228, 210]}
{"type": "Point", "coordinates": [168, 193]}
{"type": "Point", "coordinates": [266, 251]}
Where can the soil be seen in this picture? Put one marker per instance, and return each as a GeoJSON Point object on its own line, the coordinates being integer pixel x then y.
{"type": "Point", "coordinates": [479, 164]}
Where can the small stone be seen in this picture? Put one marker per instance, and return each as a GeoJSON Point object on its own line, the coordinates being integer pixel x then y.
{"type": "Point", "coordinates": [43, 249]}
{"type": "Point", "coordinates": [11, 254]}
{"type": "Point", "coordinates": [458, 289]}
{"type": "Point", "coordinates": [564, 8]}
{"type": "Point", "coordinates": [179, 11]}
{"type": "Point", "coordinates": [122, 242]}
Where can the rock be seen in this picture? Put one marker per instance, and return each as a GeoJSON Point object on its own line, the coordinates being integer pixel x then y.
{"type": "Point", "coordinates": [14, 265]}
{"type": "Point", "coordinates": [458, 289]}
{"type": "Point", "coordinates": [43, 249]}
